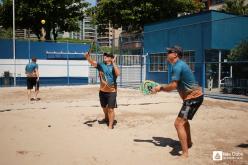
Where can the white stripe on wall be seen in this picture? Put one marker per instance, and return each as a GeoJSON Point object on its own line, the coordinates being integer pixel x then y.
{"type": "Point", "coordinates": [47, 68]}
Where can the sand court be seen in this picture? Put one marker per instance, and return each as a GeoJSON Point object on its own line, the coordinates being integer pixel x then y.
{"type": "Point", "coordinates": [62, 128]}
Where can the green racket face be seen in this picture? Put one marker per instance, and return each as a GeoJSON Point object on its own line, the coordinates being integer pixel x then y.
{"type": "Point", "coordinates": [146, 87]}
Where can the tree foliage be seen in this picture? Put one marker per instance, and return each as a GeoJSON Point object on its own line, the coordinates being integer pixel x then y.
{"type": "Point", "coordinates": [239, 7]}
{"type": "Point", "coordinates": [6, 33]}
{"type": "Point", "coordinates": [239, 57]}
{"type": "Point", "coordinates": [131, 15]}
{"type": "Point", "coordinates": [60, 15]}
{"type": "Point", "coordinates": [240, 52]}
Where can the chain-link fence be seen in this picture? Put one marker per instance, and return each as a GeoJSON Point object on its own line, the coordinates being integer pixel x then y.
{"type": "Point", "coordinates": [207, 39]}
{"type": "Point", "coordinates": [59, 63]}
{"type": "Point", "coordinates": [223, 77]}
{"type": "Point", "coordinates": [64, 64]}
{"type": "Point", "coordinates": [130, 58]}
{"type": "Point", "coordinates": [50, 74]}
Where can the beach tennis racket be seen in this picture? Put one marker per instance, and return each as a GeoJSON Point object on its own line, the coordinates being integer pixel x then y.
{"type": "Point", "coordinates": [146, 87]}
{"type": "Point", "coordinates": [91, 46]}
{"type": "Point", "coordinates": [90, 49]}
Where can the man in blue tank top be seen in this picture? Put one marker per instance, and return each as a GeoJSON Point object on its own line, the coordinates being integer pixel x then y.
{"type": "Point", "coordinates": [184, 82]}
{"type": "Point", "coordinates": [32, 73]}
{"type": "Point", "coordinates": [108, 73]}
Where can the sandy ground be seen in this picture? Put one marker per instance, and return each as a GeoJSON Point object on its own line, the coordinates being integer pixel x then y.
{"type": "Point", "coordinates": [62, 129]}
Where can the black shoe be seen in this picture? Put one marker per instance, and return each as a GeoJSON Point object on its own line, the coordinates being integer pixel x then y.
{"type": "Point", "coordinates": [103, 121]}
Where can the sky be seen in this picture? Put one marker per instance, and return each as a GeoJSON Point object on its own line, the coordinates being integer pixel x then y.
{"type": "Point", "coordinates": [93, 2]}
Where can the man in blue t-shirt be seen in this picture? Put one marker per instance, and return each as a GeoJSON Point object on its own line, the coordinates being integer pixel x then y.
{"type": "Point", "coordinates": [108, 73]}
{"type": "Point", "coordinates": [184, 82]}
{"type": "Point", "coordinates": [32, 73]}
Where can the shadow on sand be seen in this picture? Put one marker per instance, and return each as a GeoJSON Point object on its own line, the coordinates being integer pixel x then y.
{"type": "Point", "coordinates": [90, 122]}
{"type": "Point", "coordinates": [164, 142]}
{"type": "Point", "coordinates": [243, 145]}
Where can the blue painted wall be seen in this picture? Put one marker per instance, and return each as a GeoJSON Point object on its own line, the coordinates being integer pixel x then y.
{"type": "Point", "coordinates": [228, 30]}
{"type": "Point", "coordinates": [197, 32]}
{"type": "Point", "coordinates": [38, 49]}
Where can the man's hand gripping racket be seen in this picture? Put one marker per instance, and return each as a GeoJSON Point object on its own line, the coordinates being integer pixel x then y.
{"type": "Point", "coordinates": [149, 87]}
{"type": "Point", "coordinates": [87, 54]}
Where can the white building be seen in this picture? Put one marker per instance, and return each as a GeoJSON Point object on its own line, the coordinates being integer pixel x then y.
{"type": "Point", "coordinates": [87, 31]}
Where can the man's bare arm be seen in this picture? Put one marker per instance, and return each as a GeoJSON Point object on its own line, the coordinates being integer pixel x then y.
{"type": "Point", "coordinates": [88, 58]}
{"type": "Point", "coordinates": [167, 88]}
{"type": "Point", "coordinates": [170, 87]}
{"type": "Point", "coordinates": [37, 74]}
{"type": "Point", "coordinates": [116, 69]}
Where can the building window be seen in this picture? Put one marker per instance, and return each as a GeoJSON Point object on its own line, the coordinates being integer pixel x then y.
{"type": "Point", "coordinates": [189, 58]}
{"type": "Point", "coordinates": [158, 63]}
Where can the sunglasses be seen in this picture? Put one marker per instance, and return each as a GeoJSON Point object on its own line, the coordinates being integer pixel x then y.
{"type": "Point", "coordinates": [171, 51]}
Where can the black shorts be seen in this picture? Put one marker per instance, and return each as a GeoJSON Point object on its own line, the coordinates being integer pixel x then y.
{"type": "Point", "coordinates": [190, 107]}
{"type": "Point", "coordinates": [32, 81]}
{"type": "Point", "coordinates": [108, 99]}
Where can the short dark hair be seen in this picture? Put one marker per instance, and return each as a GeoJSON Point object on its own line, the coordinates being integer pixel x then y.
{"type": "Point", "coordinates": [34, 59]}
{"type": "Point", "coordinates": [108, 55]}
{"type": "Point", "coordinates": [176, 49]}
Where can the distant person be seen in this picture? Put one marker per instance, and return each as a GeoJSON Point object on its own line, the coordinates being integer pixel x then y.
{"type": "Point", "coordinates": [32, 73]}
{"type": "Point", "coordinates": [183, 80]}
{"type": "Point", "coordinates": [108, 73]}
{"type": "Point", "coordinates": [210, 82]}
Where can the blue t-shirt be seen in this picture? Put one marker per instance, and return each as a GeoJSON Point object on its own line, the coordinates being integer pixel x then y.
{"type": "Point", "coordinates": [30, 68]}
{"type": "Point", "coordinates": [183, 74]}
{"type": "Point", "coordinates": [107, 73]}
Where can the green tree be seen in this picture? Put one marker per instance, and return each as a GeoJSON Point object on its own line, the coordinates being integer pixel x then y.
{"type": "Point", "coordinates": [6, 33]}
{"type": "Point", "coordinates": [131, 15]}
{"type": "Point", "coordinates": [240, 52]}
{"type": "Point", "coordinates": [239, 57]}
{"type": "Point", "coordinates": [60, 15]}
{"type": "Point", "coordinates": [236, 6]}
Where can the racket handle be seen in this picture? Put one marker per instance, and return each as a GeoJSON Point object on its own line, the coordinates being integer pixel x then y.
{"type": "Point", "coordinates": [149, 88]}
